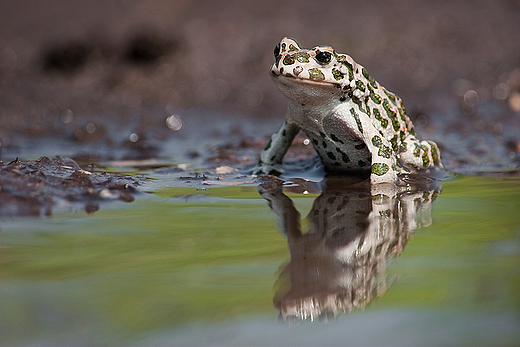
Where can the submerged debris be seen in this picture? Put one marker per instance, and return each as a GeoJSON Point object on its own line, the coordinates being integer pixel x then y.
{"type": "Point", "coordinates": [37, 187]}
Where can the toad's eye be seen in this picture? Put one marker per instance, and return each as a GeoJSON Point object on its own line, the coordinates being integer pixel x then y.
{"type": "Point", "coordinates": [323, 57]}
{"type": "Point", "coordinates": [277, 50]}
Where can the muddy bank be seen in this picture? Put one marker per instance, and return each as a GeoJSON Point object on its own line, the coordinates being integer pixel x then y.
{"type": "Point", "coordinates": [41, 186]}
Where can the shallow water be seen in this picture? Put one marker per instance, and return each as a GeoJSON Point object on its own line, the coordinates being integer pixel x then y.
{"type": "Point", "coordinates": [195, 264]}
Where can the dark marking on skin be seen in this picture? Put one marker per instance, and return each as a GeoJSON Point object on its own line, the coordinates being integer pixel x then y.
{"type": "Point", "coordinates": [336, 139]}
{"type": "Point", "coordinates": [268, 145]}
{"type": "Point", "coordinates": [342, 98]}
{"type": "Point", "coordinates": [315, 142]}
{"type": "Point", "coordinates": [360, 146]}
{"type": "Point", "coordinates": [344, 155]}
{"type": "Point", "coordinates": [361, 163]}
{"type": "Point", "coordinates": [331, 155]}
{"type": "Point", "coordinates": [322, 135]}
{"type": "Point", "coordinates": [324, 144]}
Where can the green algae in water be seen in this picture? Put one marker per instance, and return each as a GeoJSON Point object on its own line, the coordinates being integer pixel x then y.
{"type": "Point", "coordinates": [211, 258]}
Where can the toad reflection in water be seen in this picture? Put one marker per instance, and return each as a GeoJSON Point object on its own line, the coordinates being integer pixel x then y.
{"type": "Point", "coordinates": [340, 263]}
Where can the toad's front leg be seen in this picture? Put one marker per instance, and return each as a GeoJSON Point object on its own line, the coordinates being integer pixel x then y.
{"type": "Point", "coordinates": [271, 157]}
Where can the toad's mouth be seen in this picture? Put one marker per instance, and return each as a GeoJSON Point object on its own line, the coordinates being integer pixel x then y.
{"type": "Point", "coordinates": [276, 75]}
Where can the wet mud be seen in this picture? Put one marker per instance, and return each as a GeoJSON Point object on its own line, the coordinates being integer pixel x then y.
{"type": "Point", "coordinates": [34, 188]}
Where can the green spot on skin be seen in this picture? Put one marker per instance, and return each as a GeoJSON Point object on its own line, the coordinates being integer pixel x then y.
{"type": "Point", "coordinates": [302, 57]}
{"type": "Point", "coordinates": [403, 115]}
{"type": "Point", "coordinates": [297, 70]}
{"type": "Point", "coordinates": [391, 114]}
{"type": "Point", "coordinates": [372, 82]}
{"type": "Point", "coordinates": [379, 169]}
{"type": "Point", "coordinates": [282, 47]}
{"type": "Point", "coordinates": [425, 158]}
{"type": "Point", "coordinates": [435, 154]}
{"type": "Point", "coordinates": [377, 115]}
{"type": "Point", "coordinates": [316, 74]}
{"type": "Point", "coordinates": [385, 152]}
{"type": "Point", "coordinates": [417, 150]}
{"type": "Point", "coordinates": [358, 121]}
{"type": "Point", "coordinates": [288, 60]}
{"type": "Point", "coordinates": [292, 48]}
{"type": "Point", "coordinates": [360, 85]}
{"type": "Point", "coordinates": [391, 97]}
{"type": "Point", "coordinates": [342, 59]}
{"type": "Point", "coordinates": [365, 73]}
{"type": "Point", "coordinates": [337, 74]}
{"type": "Point", "coordinates": [393, 142]}
{"type": "Point", "coordinates": [268, 145]}
{"type": "Point", "coordinates": [385, 213]}
{"type": "Point", "coordinates": [375, 98]}
{"type": "Point", "coordinates": [376, 141]}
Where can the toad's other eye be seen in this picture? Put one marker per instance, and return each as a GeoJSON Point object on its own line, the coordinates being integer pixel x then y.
{"type": "Point", "coordinates": [277, 50]}
{"type": "Point", "coordinates": [323, 57]}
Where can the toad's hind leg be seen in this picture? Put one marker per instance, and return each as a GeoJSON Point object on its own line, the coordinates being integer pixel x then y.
{"type": "Point", "coordinates": [420, 154]}
{"type": "Point", "coordinates": [354, 124]}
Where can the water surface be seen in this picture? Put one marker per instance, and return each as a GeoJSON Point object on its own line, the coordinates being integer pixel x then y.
{"type": "Point", "coordinates": [192, 264]}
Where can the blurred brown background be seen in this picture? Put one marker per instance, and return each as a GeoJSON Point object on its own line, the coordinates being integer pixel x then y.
{"type": "Point", "coordinates": [64, 62]}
